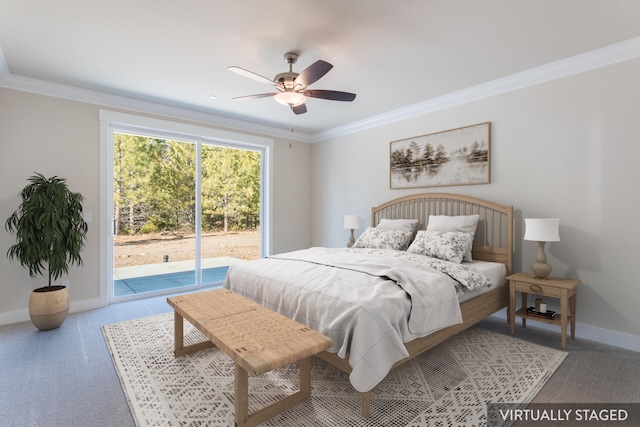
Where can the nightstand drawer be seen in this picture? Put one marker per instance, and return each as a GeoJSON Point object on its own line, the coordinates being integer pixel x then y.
{"type": "Point", "coordinates": [534, 288]}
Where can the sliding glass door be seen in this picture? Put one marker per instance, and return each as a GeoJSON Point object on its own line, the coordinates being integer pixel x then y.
{"type": "Point", "coordinates": [231, 208]}
{"type": "Point", "coordinates": [183, 211]}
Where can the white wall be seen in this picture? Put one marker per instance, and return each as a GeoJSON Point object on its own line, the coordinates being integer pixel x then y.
{"type": "Point", "coordinates": [292, 196]}
{"type": "Point", "coordinates": [567, 149]}
{"type": "Point", "coordinates": [59, 137]}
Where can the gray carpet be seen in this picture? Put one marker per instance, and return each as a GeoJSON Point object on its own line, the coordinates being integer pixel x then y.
{"type": "Point", "coordinates": [66, 377]}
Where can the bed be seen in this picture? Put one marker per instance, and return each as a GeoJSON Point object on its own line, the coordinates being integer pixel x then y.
{"type": "Point", "coordinates": [384, 305]}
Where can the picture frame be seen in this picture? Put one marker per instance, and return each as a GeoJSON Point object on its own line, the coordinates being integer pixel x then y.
{"type": "Point", "coordinates": [460, 156]}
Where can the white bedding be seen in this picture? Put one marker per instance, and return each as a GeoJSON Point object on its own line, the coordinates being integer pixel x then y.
{"type": "Point", "coordinates": [496, 273]}
{"type": "Point", "coordinates": [370, 302]}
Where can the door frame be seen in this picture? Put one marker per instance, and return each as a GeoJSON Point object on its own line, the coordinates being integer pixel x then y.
{"type": "Point", "coordinates": [111, 121]}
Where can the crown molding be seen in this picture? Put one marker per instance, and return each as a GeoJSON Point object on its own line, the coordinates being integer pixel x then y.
{"type": "Point", "coordinates": [609, 55]}
{"type": "Point", "coordinates": [598, 58]}
{"type": "Point", "coordinates": [41, 87]}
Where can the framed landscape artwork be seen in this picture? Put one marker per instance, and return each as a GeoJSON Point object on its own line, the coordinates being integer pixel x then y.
{"type": "Point", "coordinates": [459, 156]}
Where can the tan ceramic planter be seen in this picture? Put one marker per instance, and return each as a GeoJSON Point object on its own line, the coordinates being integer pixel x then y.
{"type": "Point", "coordinates": [49, 308]}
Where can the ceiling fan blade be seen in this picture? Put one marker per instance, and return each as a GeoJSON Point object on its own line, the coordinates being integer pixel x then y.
{"type": "Point", "coordinates": [260, 95]}
{"type": "Point", "coordinates": [251, 75]}
{"type": "Point", "coordinates": [312, 74]}
{"type": "Point", "coordinates": [299, 109]}
{"type": "Point", "coordinates": [332, 95]}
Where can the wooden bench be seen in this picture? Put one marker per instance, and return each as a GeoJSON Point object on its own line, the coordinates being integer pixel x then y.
{"type": "Point", "coordinates": [257, 339]}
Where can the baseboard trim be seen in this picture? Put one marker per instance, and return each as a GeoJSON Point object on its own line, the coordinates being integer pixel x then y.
{"type": "Point", "coordinates": [18, 316]}
{"type": "Point", "coordinates": [589, 333]}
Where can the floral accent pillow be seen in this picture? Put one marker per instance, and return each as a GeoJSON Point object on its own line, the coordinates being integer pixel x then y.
{"type": "Point", "coordinates": [379, 238]}
{"type": "Point", "coordinates": [462, 223]}
{"type": "Point", "coordinates": [446, 245]}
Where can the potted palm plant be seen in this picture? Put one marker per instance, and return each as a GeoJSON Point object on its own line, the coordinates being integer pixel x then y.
{"type": "Point", "coordinates": [50, 232]}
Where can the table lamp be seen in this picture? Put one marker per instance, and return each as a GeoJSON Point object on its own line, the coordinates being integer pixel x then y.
{"type": "Point", "coordinates": [351, 222]}
{"type": "Point", "coordinates": [541, 230]}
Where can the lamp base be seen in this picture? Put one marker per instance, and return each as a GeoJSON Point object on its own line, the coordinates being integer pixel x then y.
{"type": "Point", "coordinates": [541, 270]}
{"type": "Point", "coordinates": [352, 240]}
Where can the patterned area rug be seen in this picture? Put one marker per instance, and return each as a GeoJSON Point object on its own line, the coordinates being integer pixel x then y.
{"type": "Point", "coordinates": [448, 386]}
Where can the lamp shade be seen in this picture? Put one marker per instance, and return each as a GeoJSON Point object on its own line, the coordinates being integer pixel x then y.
{"type": "Point", "coordinates": [542, 229]}
{"type": "Point", "coordinates": [351, 222]}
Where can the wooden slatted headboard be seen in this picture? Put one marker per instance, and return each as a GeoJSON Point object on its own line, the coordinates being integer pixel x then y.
{"type": "Point", "coordinates": [494, 236]}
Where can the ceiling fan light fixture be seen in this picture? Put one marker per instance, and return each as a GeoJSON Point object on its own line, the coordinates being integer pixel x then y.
{"type": "Point", "coordinates": [292, 99]}
{"type": "Point", "coordinates": [292, 88]}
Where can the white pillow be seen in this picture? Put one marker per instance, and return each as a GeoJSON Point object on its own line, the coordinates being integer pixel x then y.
{"type": "Point", "coordinates": [446, 245]}
{"type": "Point", "coordinates": [459, 223]}
{"type": "Point", "coordinates": [379, 238]}
{"type": "Point", "coordinates": [399, 224]}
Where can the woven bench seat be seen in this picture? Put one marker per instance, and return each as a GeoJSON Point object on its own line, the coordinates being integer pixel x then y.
{"type": "Point", "coordinates": [257, 339]}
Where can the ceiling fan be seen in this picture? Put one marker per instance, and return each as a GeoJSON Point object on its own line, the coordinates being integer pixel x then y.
{"type": "Point", "coordinates": [292, 87]}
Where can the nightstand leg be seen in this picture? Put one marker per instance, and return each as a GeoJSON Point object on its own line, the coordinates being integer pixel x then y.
{"type": "Point", "coordinates": [564, 309]}
{"type": "Point", "coordinates": [572, 303]}
{"type": "Point", "coordinates": [512, 308]}
{"type": "Point", "coordinates": [524, 306]}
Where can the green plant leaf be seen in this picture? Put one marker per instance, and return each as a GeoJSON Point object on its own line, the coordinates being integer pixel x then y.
{"type": "Point", "coordinates": [49, 228]}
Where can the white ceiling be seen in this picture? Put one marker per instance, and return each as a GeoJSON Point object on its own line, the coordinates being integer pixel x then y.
{"type": "Point", "coordinates": [391, 54]}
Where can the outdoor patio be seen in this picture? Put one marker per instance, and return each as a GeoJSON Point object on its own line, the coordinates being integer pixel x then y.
{"type": "Point", "coordinates": [153, 277]}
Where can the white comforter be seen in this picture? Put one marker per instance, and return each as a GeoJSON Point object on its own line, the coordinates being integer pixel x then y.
{"type": "Point", "coordinates": [369, 302]}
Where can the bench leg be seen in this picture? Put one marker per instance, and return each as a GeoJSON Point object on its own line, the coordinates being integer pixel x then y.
{"type": "Point", "coordinates": [179, 348]}
{"type": "Point", "coordinates": [305, 378]}
{"type": "Point", "coordinates": [178, 333]}
{"type": "Point", "coordinates": [242, 397]}
{"type": "Point", "coordinates": [244, 419]}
